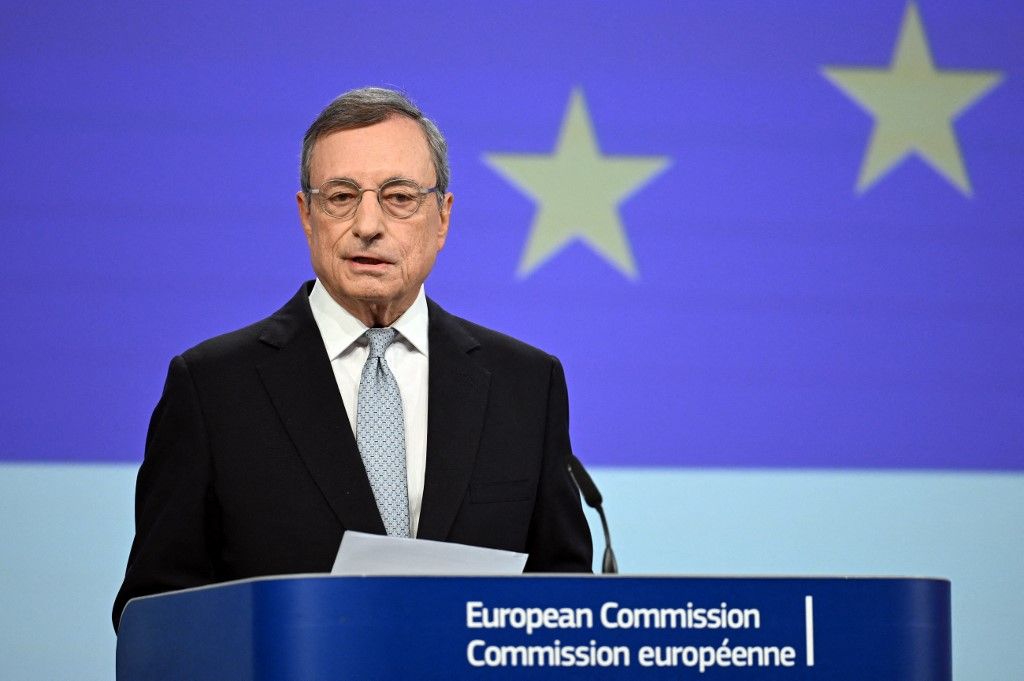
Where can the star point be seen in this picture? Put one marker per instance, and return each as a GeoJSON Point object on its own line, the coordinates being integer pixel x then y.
{"type": "Point", "coordinates": [578, 191]}
{"type": "Point", "coordinates": [914, 105]}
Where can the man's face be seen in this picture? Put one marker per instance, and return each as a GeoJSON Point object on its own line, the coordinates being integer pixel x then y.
{"type": "Point", "coordinates": [371, 263]}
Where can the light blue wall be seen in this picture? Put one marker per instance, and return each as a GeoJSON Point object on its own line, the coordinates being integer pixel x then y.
{"type": "Point", "coordinates": [67, 530]}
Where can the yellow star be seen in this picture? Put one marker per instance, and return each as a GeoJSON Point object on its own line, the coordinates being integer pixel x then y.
{"type": "Point", "coordinates": [914, 106]}
{"type": "Point", "coordinates": [578, 191]}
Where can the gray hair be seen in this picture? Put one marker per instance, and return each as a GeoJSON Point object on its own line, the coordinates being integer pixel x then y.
{"type": "Point", "coordinates": [366, 106]}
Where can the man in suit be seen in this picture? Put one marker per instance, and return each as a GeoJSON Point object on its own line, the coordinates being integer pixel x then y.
{"type": "Point", "coordinates": [360, 404]}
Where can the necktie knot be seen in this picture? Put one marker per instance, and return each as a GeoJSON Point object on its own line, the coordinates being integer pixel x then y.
{"type": "Point", "coordinates": [379, 339]}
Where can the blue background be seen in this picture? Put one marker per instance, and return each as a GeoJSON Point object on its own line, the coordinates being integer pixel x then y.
{"type": "Point", "coordinates": [792, 335]}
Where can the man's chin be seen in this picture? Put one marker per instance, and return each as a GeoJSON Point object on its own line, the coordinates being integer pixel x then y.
{"type": "Point", "coordinates": [374, 293]}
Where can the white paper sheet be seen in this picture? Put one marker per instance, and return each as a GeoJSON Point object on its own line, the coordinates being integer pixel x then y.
{"type": "Point", "coordinates": [373, 554]}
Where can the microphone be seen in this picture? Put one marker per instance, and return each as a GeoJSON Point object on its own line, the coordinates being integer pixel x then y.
{"type": "Point", "coordinates": [591, 495]}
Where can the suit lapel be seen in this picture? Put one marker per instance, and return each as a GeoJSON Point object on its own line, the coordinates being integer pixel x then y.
{"type": "Point", "coordinates": [457, 403]}
{"type": "Point", "coordinates": [301, 385]}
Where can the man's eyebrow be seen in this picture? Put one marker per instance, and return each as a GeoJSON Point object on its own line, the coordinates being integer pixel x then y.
{"type": "Point", "coordinates": [342, 179]}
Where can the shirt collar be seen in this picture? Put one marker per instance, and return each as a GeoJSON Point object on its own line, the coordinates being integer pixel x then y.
{"type": "Point", "coordinates": [340, 329]}
{"type": "Point", "coordinates": [412, 325]}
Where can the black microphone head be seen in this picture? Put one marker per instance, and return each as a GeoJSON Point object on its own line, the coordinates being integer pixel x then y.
{"type": "Point", "coordinates": [584, 482]}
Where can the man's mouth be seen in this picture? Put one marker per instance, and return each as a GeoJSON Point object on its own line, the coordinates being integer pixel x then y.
{"type": "Point", "coordinates": [367, 260]}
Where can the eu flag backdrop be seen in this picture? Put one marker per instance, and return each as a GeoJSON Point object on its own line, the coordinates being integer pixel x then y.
{"type": "Point", "coordinates": [771, 312]}
{"type": "Point", "coordinates": [763, 238]}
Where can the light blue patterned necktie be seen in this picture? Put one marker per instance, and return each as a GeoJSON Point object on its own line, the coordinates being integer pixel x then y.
{"type": "Point", "coordinates": [380, 434]}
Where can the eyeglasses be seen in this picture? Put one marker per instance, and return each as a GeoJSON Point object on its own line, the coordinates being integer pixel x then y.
{"type": "Point", "coordinates": [398, 198]}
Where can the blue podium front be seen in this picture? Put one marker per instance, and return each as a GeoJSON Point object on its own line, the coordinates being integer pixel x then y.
{"type": "Point", "coordinates": [323, 627]}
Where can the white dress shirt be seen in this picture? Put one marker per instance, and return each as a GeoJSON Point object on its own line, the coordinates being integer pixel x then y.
{"type": "Point", "coordinates": [407, 358]}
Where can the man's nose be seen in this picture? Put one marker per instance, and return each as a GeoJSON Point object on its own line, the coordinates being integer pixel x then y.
{"type": "Point", "coordinates": [368, 221]}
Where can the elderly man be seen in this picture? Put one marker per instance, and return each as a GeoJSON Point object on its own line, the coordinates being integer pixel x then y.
{"type": "Point", "coordinates": [360, 404]}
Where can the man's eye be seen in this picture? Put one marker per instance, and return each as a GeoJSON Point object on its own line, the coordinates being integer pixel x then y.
{"type": "Point", "coordinates": [341, 197]}
{"type": "Point", "coordinates": [399, 198]}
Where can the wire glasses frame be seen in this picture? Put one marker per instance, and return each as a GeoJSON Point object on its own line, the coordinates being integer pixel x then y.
{"type": "Point", "coordinates": [398, 198]}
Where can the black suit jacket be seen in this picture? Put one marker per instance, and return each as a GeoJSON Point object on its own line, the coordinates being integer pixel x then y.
{"type": "Point", "coordinates": [251, 467]}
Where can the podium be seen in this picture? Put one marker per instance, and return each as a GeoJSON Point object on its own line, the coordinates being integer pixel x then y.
{"type": "Point", "coordinates": [308, 627]}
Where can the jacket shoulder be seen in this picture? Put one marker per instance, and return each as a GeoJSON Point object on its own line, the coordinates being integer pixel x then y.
{"type": "Point", "coordinates": [255, 340]}
{"type": "Point", "coordinates": [488, 345]}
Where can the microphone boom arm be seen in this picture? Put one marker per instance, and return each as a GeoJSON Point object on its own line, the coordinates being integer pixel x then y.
{"type": "Point", "coordinates": [591, 495]}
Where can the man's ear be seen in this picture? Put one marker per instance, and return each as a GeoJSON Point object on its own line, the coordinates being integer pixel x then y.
{"type": "Point", "coordinates": [446, 216]}
{"type": "Point", "coordinates": [304, 215]}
